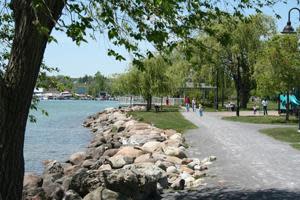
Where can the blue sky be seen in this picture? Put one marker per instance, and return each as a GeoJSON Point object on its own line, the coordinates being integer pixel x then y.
{"type": "Point", "coordinates": [88, 58]}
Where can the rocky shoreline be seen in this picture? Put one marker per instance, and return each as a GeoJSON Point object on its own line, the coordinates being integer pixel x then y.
{"type": "Point", "coordinates": [126, 159]}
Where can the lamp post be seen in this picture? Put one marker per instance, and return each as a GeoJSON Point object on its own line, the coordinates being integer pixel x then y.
{"type": "Point", "coordinates": [288, 29]}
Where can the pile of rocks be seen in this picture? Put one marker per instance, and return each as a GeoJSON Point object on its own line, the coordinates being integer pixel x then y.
{"type": "Point", "coordinates": [126, 159]}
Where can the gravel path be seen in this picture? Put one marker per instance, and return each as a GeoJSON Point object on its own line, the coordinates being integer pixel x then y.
{"type": "Point", "coordinates": [249, 164]}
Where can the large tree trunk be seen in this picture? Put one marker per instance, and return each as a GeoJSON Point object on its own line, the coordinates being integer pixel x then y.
{"type": "Point", "coordinates": [16, 89]}
{"type": "Point", "coordinates": [244, 95]}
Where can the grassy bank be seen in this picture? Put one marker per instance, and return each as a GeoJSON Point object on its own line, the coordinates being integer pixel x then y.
{"type": "Point", "coordinates": [169, 118]}
{"type": "Point", "coordinates": [262, 119]}
{"type": "Point", "coordinates": [289, 135]}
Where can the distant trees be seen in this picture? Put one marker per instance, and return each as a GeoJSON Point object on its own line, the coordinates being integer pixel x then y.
{"type": "Point", "coordinates": [98, 84]}
{"type": "Point", "coordinates": [278, 67]}
{"type": "Point", "coordinates": [241, 57]}
{"type": "Point", "coordinates": [241, 44]}
{"type": "Point", "coordinates": [152, 80]}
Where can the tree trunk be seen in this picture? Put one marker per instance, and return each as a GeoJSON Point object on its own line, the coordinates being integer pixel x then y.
{"type": "Point", "coordinates": [223, 88]}
{"type": "Point", "coordinates": [12, 128]}
{"type": "Point", "coordinates": [287, 106]}
{"type": "Point", "coordinates": [244, 95]}
{"type": "Point", "coordinates": [149, 103]}
{"type": "Point", "coordinates": [16, 89]}
{"type": "Point", "coordinates": [238, 89]}
{"type": "Point", "coordinates": [217, 90]}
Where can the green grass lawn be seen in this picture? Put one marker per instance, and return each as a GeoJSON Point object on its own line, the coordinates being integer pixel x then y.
{"type": "Point", "coordinates": [169, 118]}
{"type": "Point", "coordinates": [263, 119]}
{"type": "Point", "coordinates": [289, 135]}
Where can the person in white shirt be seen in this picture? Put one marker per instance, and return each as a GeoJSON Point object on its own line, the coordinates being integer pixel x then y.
{"type": "Point", "coordinates": [194, 104]}
{"type": "Point", "coordinates": [265, 106]}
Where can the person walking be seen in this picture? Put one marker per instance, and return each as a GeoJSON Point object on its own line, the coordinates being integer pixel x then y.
{"type": "Point", "coordinates": [187, 103]}
{"type": "Point", "coordinates": [200, 110]}
{"type": "Point", "coordinates": [194, 104]}
{"type": "Point", "coordinates": [254, 109]}
{"type": "Point", "coordinates": [265, 106]}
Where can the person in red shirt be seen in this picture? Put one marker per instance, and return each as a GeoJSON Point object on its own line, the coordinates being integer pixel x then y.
{"type": "Point", "coordinates": [187, 103]}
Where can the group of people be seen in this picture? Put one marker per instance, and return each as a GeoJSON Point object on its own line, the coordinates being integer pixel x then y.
{"type": "Point", "coordinates": [194, 105]}
{"type": "Point", "coordinates": [264, 104]}
{"type": "Point", "coordinates": [187, 102]}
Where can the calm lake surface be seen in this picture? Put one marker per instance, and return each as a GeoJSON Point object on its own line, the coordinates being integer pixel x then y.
{"type": "Point", "coordinates": [60, 134]}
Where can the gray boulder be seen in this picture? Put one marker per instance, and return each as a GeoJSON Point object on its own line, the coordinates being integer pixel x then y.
{"type": "Point", "coordinates": [55, 169]}
{"type": "Point", "coordinates": [102, 193]}
{"type": "Point", "coordinates": [137, 181]}
{"type": "Point", "coordinates": [78, 158]}
{"type": "Point", "coordinates": [119, 161]}
{"type": "Point", "coordinates": [72, 195]}
{"type": "Point", "coordinates": [83, 181]}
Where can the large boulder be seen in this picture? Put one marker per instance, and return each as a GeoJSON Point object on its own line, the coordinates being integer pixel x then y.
{"type": "Point", "coordinates": [135, 181]}
{"type": "Point", "coordinates": [102, 193]}
{"type": "Point", "coordinates": [174, 160]}
{"type": "Point", "coordinates": [88, 163]}
{"type": "Point", "coordinates": [177, 137]}
{"type": "Point", "coordinates": [53, 190]}
{"type": "Point", "coordinates": [174, 151]}
{"type": "Point", "coordinates": [104, 167]}
{"type": "Point", "coordinates": [33, 194]}
{"type": "Point", "coordinates": [84, 181]}
{"type": "Point", "coordinates": [159, 156]}
{"type": "Point", "coordinates": [152, 146]}
{"type": "Point", "coordinates": [110, 152]}
{"type": "Point", "coordinates": [144, 158]}
{"type": "Point", "coordinates": [140, 126]}
{"type": "Point", "coordinates": [54, 168]}
{"type": "Point", "coordinates": [140, 139]}
{"type": "Point", "coordinates": [72, 195]}
{"type": "Point", "coordinates": [77, 158]}
{"type": "Point", "coordinates": [71, 169]}
{"type": "Point", "coordinates": [172, 143]}
{"type": "Point", "coordinates": [103, 160]}
{"type": "Point", "coordinates": [119, 161]}
{"type": "Point", "coordinates": [186, 169]}
{"type": "Point", "coordinates": [169, 132]}
{"type": "Point", "coordinates": [96, 153]}
{"type": "Point", "coordinates": [130, 152]}
{"type": "Point", "coordinates": [119, 125]}
{"type": "Point", "coordinates": [32, 180]}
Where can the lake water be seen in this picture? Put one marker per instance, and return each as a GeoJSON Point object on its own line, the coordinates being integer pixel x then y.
{"type": "Point", "coordinates": [60, 134]}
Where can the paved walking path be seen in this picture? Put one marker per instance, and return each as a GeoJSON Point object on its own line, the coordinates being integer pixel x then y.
{"type": "Point", "coordinates": [249, 164]}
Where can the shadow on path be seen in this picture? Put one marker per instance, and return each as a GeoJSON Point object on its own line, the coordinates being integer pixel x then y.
{"type": "Point", "coordinates": [233, 194]}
